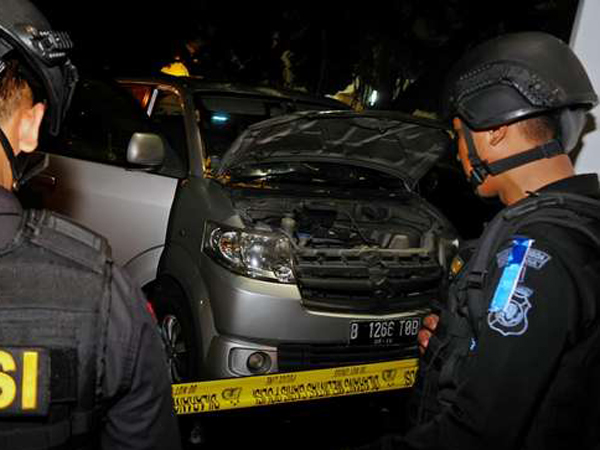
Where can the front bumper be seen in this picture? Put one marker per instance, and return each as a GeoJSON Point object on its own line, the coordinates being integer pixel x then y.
{"type": "Point", "coordinates": [259, 316]}
{"type": "Point", "coordinates": [228, 357]}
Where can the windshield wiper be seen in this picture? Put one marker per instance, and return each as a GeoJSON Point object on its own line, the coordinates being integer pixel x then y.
{"type": "Point", "coordinates": [303, 171]}
{"type": "Point", "coordinates": [291, 176]}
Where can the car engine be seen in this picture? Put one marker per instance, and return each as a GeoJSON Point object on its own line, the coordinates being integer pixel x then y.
{"type": "Point", "coordinates": [375, 256]}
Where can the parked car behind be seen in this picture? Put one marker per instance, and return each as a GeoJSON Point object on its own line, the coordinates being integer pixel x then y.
{"type": "Point", "coordinates": [272, 231]}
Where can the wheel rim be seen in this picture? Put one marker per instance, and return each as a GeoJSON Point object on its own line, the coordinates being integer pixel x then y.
{"type": "Point", "coordinates": [176, 348]}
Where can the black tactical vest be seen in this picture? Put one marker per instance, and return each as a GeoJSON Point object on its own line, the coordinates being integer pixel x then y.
{"type": "Point", "coordinates": [441, 367]}
{"type": "Point", "coordinates": [54, 305]}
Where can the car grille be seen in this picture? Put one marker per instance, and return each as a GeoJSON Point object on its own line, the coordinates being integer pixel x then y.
{"type": "Point", "coordinates": [293, 357]}
{"type": "Point", "coordinates": [381, 286]}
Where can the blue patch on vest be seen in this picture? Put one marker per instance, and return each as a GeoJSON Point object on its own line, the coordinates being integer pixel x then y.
{"type": "Point", "coordinates": [536, 259]}
{"type": "Point", "coordinates": [511, 274]}
{"type": "Point", "coordinates": [508, 310]}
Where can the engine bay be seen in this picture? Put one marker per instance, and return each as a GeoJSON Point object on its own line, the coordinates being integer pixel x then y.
{"type": "Point", "coordinates": [322, 224]}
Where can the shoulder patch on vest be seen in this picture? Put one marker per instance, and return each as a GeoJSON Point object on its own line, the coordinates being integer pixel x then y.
{"type": "Point", "coordinates": [66, 238]}
{"type": "Point", "coordinates": [456, 266]}
{"type": "Point", "coordinates": [511, 274]}
{"type": "Point", "coordinates": [536, 259]}
{"type": "Point", "coordinates": [512, 319]}
{"type": "Point", "coordinates": [507, 312]}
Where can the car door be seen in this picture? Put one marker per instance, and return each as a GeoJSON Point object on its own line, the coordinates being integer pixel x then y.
{"type": "Point", "coordinates": [90, 179]}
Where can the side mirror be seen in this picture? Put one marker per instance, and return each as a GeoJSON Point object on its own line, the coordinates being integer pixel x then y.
{"type": "Point", "coordinates": [146, 149]}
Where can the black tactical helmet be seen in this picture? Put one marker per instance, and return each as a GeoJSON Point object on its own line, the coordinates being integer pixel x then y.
{"type": "Point", "coordinates": [511, 78]}
{"type": "Point", "coordinates": [24, 30]}
{"type": "Point", "coordinates": [519, 75]}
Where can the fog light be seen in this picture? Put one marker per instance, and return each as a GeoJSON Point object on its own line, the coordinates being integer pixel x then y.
{"type": "Point", "coordinates": [258, 362]}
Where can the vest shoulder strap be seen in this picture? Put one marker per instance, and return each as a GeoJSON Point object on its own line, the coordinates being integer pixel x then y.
{"type": "Point", "coordinates": [66, 238]}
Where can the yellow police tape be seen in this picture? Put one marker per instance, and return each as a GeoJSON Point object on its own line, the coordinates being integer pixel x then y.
{"type": "Point", "coordinates": [264, 390]}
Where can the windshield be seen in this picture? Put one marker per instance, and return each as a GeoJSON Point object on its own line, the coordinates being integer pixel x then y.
{"type": "Point", "coordinates": [223, 117]}
{"type": "Point", "coordinates": [315, 175]}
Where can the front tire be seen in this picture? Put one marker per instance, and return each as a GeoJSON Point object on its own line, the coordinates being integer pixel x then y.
{"type": "Point", "coordinates": [175, 325]}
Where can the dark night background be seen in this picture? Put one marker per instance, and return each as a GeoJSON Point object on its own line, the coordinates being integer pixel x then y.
{"type": "Point", "coordinates": [401, 48]}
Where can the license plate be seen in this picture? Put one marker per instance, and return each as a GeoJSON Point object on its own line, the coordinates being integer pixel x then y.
{"type": "Point", "coordinates": [384, 332]}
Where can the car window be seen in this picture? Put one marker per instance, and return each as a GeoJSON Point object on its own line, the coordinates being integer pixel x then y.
{"type": "Point", "coordinates": [99, 125]}
{"type": "Point", "coordinates": [167, 115]}
{"type": "Point", "coordinates": [165, 109]}
{"type": "Point", "coordinates": [224, 117]}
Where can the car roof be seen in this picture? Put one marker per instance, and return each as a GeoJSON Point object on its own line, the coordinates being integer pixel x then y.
{"type": "Point", "coordinates": [215, 87]}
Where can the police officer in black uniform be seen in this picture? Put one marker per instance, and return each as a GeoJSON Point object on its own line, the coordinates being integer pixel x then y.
{"type": "Point", "coordinates": [81, 363]}
{"type": "Point", "coordinates": [514, 361]}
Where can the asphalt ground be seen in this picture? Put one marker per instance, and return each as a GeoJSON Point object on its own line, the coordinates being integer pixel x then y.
{"type": "Point", "coordinates": [333, 424]}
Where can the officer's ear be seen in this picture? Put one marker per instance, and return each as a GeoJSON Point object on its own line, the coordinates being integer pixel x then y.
{"type": "Point", "coordinates": [497, 135]}
{"type": "Point", "coordinates": [29, 126]}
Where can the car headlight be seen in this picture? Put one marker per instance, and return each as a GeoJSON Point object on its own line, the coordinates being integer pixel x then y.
{"type": "Point", "coordinates": [254, 254]}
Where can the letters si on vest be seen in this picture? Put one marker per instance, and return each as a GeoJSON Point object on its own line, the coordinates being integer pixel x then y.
{"type": "Point", "coordinates": [54, 303]}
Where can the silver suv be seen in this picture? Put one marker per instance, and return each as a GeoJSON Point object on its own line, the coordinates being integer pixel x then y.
{"type": "Point", "coordinates": [272, 231]}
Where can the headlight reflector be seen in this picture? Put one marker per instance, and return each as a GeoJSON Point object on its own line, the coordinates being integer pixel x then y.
{"type": "Point", "coordinates": [253, 254]}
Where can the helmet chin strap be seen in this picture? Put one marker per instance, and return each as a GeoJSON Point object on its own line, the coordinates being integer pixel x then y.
{"type": "Point", "coordinates": [481, 169]}
{"type": "Point", "coordinates": [12, 160]}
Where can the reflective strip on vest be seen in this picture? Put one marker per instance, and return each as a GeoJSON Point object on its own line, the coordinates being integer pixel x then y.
{"type": "Point", "coordinates": [511, 274]}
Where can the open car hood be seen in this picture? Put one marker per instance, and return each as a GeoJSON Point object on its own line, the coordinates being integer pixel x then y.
{"type": "Point", "coordinates": [399, 144]}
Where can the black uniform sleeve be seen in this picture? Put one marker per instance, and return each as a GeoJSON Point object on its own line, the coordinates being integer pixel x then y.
{"type": "Point", "coordinates": [137, 388]}
{"type": "Point", "coordinates": [510, 367]}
